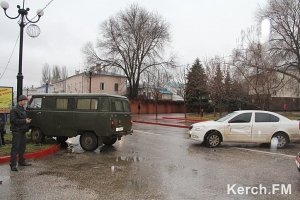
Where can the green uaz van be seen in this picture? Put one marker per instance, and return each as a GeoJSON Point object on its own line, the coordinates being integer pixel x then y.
{"type": "Point", "coordinates": [97, 118]}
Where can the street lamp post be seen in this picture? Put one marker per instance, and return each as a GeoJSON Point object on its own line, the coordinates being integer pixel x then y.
{"type": "Point", "coordinates": [89, 73]}
{"type": "Point", "coordinates": [22, 13]}
{"type": "Point", "coordinates": [47, 86]}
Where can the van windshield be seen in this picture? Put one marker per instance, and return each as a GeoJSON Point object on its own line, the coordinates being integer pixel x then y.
{"type": "Point", "coordinates": [35, 103]}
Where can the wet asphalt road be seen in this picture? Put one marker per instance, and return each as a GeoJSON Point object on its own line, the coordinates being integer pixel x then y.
{"type": "Point", "coordinates": [155, 162]}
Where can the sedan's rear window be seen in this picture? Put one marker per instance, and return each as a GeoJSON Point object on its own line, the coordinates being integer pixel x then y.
{"type": "Point", "coordinates": [265, 117]}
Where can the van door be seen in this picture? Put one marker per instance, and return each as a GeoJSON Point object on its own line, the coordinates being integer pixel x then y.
{"type": "Point", "coordinates": [86, 114]}
{"type": "Point", "coordinates": [35, 111]}
{"type": "Point", "coordinates": [104, 123]}
{"type": "Point", "coordinates": [121, 115]}
{"type": "Point", "coordinates": [62, 117]}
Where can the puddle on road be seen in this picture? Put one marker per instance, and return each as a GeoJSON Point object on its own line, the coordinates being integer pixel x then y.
{"type": "Point", "coordinates": [73, 146]}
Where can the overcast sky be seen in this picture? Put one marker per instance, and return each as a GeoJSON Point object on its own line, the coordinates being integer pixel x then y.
{"type": "Point", "coordinates": [199, 28]}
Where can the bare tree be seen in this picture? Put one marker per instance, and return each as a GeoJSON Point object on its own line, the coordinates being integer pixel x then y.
{"type": "Point", "coordinates": [46, 74]}
{"type": "Point", "coordinates": [133, 41]}
{"type": "Point", "coordinates": [56, 73]}
{"type": "Point", "coordinates": [253, 62]}
{"type": "Point", "coordinates": [180, 78]}
{"type": "Point", "coordinates": [64, 72]}
{"type": "Point", "coordinates": [156, 81]}
{"type": "Point", "coordinates": [284, 44]}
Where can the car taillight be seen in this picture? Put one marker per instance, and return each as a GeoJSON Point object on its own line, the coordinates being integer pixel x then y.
{"type": "Point", "coordinates": [112, 124]}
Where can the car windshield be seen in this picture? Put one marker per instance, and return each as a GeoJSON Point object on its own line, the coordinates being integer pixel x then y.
{"type": "Point", "coordinates": [222, 119]}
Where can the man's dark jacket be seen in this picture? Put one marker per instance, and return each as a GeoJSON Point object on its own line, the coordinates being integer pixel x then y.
{"type": "Point", "coordinates": [18, 120]}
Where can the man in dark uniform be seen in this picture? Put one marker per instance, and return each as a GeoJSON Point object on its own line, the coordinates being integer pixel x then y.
{"type": "Point", "coordinates": [19, 126]}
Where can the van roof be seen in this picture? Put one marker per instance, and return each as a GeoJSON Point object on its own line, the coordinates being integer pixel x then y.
{"type": "Point", "coordinates": [78, 95]}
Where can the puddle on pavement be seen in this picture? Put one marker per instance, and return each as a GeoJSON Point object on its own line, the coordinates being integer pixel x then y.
{"type": "Point", "coordinates": [134, 158]}
{"type": "Point", "coordinates": [73, 146]}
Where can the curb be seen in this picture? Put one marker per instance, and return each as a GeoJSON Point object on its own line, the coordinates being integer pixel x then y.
{"type": "Point", "coordinates": [162, 124]}
{"type": "Point", "coordinates": [51, 150]}
{"type": "Point", "coordinates": [180, 118]}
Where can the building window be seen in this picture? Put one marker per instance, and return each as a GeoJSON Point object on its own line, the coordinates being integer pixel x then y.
{"type": "Point", "coordinates": [116, 87]}
{"type": "Point", "coordinates": [101, 86]}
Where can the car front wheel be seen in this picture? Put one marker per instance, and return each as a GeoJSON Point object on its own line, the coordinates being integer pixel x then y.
{"type": "Point", "coordinates": [213, 139]}
{"type": "Point", "coordinates": [88, 141]}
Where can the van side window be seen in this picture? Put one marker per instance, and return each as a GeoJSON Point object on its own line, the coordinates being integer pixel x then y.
{"type": "Point", "coordinates": [71, 103]}
{"type": "Point", "coordinates": [62, 104]}
{"type": "Point", "coordinates": [36, 103]}
{"type": "Point", "coordinates": [104, 104]}
{"type": "Point", "coordinates": [87, 104]}
{"type": "Point", "coordinates": [126, 106]}
{"type": "Point", "coordinates": [117, 106]}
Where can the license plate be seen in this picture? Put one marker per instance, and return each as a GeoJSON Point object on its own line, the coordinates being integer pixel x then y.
{"type": "Point", "coordinates": [120, 129]}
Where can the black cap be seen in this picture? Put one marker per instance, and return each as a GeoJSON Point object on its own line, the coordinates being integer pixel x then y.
{"type": "Point", "coordinates": [22, 97]}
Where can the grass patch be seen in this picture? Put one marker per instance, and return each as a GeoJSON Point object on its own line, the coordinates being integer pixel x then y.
{"type": "Point", "coordinates": [30, 146]}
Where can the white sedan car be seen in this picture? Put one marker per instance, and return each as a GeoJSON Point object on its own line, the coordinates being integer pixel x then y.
{"type": "Point", "coordinates": [247, 126]}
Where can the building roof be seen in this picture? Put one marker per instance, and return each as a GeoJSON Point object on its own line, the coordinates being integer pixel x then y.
{"type": "Point", "coordinates": [78, 94]}
{"type": "Point", "coordinates": [102, 73]}
{"type": "Point", "coordinates": [165, 91]}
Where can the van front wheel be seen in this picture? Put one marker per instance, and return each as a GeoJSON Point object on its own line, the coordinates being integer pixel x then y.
{"type": "Point", "coordinates": [88, 141]}
{"type": "Point", "coordinates": [109, 140]}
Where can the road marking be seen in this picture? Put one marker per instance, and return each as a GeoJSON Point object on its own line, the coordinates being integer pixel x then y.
{"type": "Point", "coordinates": [145, 132]}
{"type": "Point", "coordinates": [266, 152]}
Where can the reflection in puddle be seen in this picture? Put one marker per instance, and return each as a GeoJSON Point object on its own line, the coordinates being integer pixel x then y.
{"type": "Point", "coordinates": [74, 148]}
{"type": "Point", "coordinates": [73, 145]}
{"type": "Point", "coordinates": [274, 144]}
{"type": "Point", "coordinates": [134, 158]}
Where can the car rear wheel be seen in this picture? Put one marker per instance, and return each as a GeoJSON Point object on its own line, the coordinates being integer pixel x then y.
{"type": "Point", "coordinates": [88, 141]}
{"type": "Point", "coordinates": [213, 140]}
{"type": "Point", "coordinates": [37, 135]}
{"type": "Point", "coordinates": [280, 139]}
{"type": "Point", "coordinates": [109, 140]}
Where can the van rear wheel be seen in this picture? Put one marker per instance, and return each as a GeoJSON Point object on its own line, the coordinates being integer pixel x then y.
{"type": "Point", "coordinates": [89, 141]}
{"type": "Point", "coordinates": [109, 140]}
{"type": "Point", "coordinates": [37, 135]}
